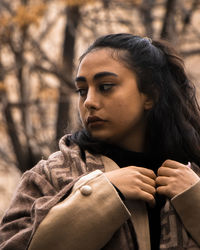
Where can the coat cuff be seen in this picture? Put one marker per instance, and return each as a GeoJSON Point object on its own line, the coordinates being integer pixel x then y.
{"type": "Point", "coordinates": [86, 219]}
{"type": "Point", "coordinates": [187, 205]}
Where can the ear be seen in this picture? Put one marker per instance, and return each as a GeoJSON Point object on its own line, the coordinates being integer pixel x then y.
{"type": "Point", "coordinates": [148, 103]}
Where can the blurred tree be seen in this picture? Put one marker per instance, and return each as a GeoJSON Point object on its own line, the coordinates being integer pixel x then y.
{"type": "Point", "coordinates": [169, 24]}
{"type": "Point", "coordinates": [26, 58]}
{"type": "Point", "coordinates": [40, 41]}
{"type": "Point", "coordinates": [73, 17]}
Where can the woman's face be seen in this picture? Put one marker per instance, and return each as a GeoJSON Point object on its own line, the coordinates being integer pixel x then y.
{"type": "Point", "coordinates": [110, 104]}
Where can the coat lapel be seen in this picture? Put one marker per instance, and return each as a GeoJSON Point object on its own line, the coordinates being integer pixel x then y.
{"type": "Point", "coordinates": [139, 215]}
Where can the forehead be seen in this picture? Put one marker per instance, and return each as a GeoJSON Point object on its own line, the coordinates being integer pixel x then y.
{"type": "Point", "coordinates": [103, 59]}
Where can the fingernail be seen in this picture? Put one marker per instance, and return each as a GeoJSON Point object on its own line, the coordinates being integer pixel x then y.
{"type": "Point", "coordinates": [189, 164]}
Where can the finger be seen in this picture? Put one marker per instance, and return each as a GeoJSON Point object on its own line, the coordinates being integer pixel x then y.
{"type": "Point", "coordinates": [148, 180]}
{"type": "Point", "coordinates": [164, 190]}
{"type": "Point", "coordinates": [165, 171]}
{"type": "Point", "coordinates": [148, 189]}
{"type": "Point", "coordinates": [148, 198]}
{"type": "Point", "coordinates": [146, 171]}
{"type": "Point", "coordinates": [162, 181]}
{"type": "Point", "coordinates": [172, 164]}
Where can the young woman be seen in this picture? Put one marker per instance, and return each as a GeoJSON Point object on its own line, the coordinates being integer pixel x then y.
{"type": "Point", "coordinates": [130, 178]}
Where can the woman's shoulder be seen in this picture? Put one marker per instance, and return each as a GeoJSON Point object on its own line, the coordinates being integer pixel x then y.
{"type": "Point", "coordinates": [65, 165]}
{"type": "Point", "coordinates": [62, 166]}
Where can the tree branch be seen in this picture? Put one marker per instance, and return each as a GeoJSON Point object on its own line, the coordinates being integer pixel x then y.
{"type": "Point", "coordinates": [190, 52]}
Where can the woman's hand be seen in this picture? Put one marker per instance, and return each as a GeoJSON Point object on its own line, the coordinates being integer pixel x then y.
{"type": "Point", "coordinates": [174, 178]}
{"type": "Point", "coordinates": [135, 183]}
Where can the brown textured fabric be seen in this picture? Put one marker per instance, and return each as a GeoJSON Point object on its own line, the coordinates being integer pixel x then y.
{"type": "Point", "coordinates": [173, 233]}
{"type": "Point", "coordinates": [40, 189]}
{"type": "Point", "coordinates": [49, 182]}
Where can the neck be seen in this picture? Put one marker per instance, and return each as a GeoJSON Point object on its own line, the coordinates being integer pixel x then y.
{"type": "Point", "coordinates": [134, 142]}
{"type": "Point", "coordinates": [136, 146]}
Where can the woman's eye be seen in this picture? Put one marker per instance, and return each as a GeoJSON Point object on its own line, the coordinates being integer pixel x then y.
{"type": "Point", "coordinates": [106, 87]}
{"type": "Point", "coordinates": [82, 92]}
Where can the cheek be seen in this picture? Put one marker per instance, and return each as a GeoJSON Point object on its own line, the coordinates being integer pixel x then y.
{"type": "Point", "coordinates": [119, 113]}
{"type": "Point", "coordinates": [123, 108]}
{"type": "Point", "coordinates": [81, 111]}
{"type": "Point", "coordinates": [127, 111]}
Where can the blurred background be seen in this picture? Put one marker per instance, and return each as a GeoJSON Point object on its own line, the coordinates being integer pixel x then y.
{"type": "Point", "coordinates": [40, 43]}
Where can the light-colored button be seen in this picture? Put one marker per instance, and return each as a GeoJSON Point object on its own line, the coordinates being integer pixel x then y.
{"type": "Point", "coordinates": [86, 190]}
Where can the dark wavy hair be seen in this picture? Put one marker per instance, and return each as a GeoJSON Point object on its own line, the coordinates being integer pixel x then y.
{"type": "Point", "coordinates": [173, 124]}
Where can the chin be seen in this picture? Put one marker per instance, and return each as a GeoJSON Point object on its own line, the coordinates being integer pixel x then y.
{"type": "Point", "coordinates": [101, 136]}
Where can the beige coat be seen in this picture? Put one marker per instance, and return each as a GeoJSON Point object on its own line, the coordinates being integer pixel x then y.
{"type": "Point", "coordinates": [86, 212]}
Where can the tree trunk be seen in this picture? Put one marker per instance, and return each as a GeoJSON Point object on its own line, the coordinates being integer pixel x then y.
{"type": "Point", "coordinates": [146, 10]}
{"type": "Point", "coordinates": [63, 119]}
{"type": "Point", "coordinates": [24, 155]}
{"type": "Point", "coordinates": [169, 25]}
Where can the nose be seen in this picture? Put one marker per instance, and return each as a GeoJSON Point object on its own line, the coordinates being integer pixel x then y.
{"type": "Point", "coordinates": [92, 100]}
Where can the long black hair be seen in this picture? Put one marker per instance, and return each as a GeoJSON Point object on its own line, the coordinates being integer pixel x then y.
{"type": "Point", "coordinates": [173, 124]}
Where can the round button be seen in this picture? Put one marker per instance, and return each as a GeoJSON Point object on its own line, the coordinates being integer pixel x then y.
{"type": "Point", "coordinates": [86, 190]}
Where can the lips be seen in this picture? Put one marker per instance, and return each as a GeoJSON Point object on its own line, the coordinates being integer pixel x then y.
{"type": "Point", "coordinates": [94, 119]}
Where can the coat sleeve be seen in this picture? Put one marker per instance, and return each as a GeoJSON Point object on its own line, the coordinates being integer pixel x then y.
{"type": "Point", "coordinates": [33, 199]}
{"type": "Point", "coordinates": [40, 203]}
{"type": "Point", "coordinates": [187, 205]}
{"type": "Point", "coordinates": [86, 219]}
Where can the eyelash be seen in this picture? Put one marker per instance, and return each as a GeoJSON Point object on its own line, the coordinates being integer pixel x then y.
{"type": "Point", "coordinates": [79, 91]}
{"type": "Point", "coordinates": [83, 91]}
{"type": "Point", "coordinates": [109, 85]}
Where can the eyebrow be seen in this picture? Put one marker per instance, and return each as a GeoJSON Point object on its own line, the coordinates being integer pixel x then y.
{"type": "Point", "coordinates": [96, 76]}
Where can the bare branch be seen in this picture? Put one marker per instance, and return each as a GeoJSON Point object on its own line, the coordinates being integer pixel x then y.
{"type": "Point", "coordinates": [6, 6]}
{"type": "Point", "coordinates": [50, 25]}
{"type": "Point", "coordinates": [59, 74]}
{"type": "Point", "coordinates": [190, 52]}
